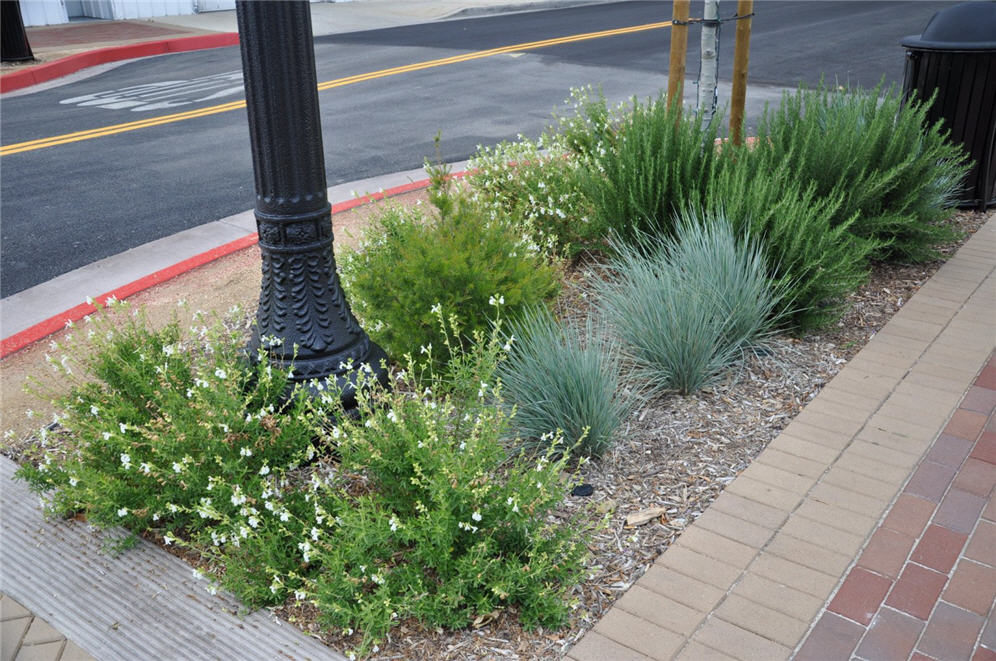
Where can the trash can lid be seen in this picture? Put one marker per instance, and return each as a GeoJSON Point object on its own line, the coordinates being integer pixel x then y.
{"type": "Point", "coordinates": [965, 26]}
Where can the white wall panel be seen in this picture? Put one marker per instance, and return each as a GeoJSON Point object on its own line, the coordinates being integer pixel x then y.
{"type": "Point", "coordinates": [43, 12]}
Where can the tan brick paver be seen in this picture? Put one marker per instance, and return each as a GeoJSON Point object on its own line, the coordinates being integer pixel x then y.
{"type": "Point", "coordinates": [847, 530]}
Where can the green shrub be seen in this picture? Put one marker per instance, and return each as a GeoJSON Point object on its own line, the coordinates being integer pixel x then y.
{"type": "Point", "coordinates": [896, 175]}
{"type": "Point", "coordinates": [647, 171]}
{"type": "Point", "coordinates": [815, 263]}
{"type": "Point", "coordinates": [446, 527]}
{"type": "Point", "coordinates": [563, 379]}
{"type": "Point", "coordinates": [155, 433]}
{"type": "Point", "coordinates": [423, 515]}
{"type": "Point", "coordinates": [688, 306]}
{"type": "Point", "coordinates": [459, 260]}
{"type": "Point", "coordinates": [536, 185]}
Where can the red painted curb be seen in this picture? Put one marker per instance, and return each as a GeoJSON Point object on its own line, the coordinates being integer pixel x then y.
{"type": "Point", "coordinates": [73, 63]}
{"type": "Point", "coordinates": [55, 323]}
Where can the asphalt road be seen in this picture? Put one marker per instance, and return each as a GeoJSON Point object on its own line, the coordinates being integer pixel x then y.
{"type": "Point", "coordinates": [68, 205]}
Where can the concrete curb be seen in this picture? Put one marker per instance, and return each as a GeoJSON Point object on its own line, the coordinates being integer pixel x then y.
{"type": "Point", "coordinates": [73, 63]}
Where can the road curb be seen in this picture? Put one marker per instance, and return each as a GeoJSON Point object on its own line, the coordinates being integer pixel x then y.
{"type": "Point", "coordinates": [43, 329]}
{"type": "Point", "coordinates": [73, 63]}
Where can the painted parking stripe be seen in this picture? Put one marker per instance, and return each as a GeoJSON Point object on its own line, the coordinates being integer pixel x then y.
{"type": "Point", "coordinates": [90, 134]}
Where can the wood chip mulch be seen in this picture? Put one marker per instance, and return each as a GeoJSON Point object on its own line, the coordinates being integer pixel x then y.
{"type": "Point", "coordinates": [675, 453]}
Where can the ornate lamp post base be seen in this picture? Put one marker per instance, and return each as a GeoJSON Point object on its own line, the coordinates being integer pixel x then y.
{"type": "Point", "coordinates": [301, 302]}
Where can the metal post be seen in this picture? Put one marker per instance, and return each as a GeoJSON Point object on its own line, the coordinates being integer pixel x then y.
{"type": "Point", "coordinates": [679, 49]}
{"type": "Point", "coordinates": [301, 301]}
{"type": "Point", "coordinates": [14, 46]}
{"type": "Point", "coordinates": [741, 54]}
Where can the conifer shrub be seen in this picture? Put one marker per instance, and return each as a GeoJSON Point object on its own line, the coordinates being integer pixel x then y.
{"type": "Point", "coordinates": [895, 174]}
{"type": "Point", "coordinates": [457, 258]}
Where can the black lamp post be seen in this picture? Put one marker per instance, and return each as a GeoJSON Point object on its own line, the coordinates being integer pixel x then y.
{"type": "Point", "coordinates": [301, 301]}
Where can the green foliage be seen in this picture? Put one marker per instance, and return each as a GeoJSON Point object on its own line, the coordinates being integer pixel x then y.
{"type": "Point", "coordinates": [816, 263]}
{"type": "Point", "coordinates": [648, 169]}
{"type": "Point", "coordinates": [896, 175]}
{"type": "Point", "coordinates": [591, 127]}
{"type": "Point", "coordinates": [423, 515]}
{"type": "Point", "coordinates": [460, 260]}
{"type": "Point", "coordinates": [445, 527]}
{"type": "Point", "coordinates": [688, 306]}
{"type": "Point", "coordinates": [537, 185]}
{"type": "Point", "coordinates": [156, 433]}
{"type": "Point", "coordinates": [563, 379]}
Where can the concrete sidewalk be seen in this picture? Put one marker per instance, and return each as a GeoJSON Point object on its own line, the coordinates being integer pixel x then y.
{"type": "Point", "coordinates": [54, 41]}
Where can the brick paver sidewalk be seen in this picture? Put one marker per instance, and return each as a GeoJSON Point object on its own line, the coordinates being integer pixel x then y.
{"type": "Point", "coordinates": [761, 573]}
{"type": "Point", "coordinates": [927, 578]}
{"type": "Point", "coordinates": [24, 637]}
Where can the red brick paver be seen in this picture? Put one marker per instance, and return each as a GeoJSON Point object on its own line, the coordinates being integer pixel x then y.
{"type": "Point", "coordinates": [925, 584]}
{"type": "Point", "coordinates": [866, 530]}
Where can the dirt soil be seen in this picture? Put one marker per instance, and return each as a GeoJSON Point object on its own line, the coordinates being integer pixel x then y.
{"type": "Point", "coordinates": [215, 287]}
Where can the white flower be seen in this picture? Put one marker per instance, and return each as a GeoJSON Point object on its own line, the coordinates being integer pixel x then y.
{"type": "Point", "coordinates": [392, 416]}
{"type": "Point", "coordinates": [245, 452]}
{"type": "Point", "coordinates": [284, 515]}
{"type": "Point", "coordinates": [300, 595]}
{"type": "Point", "coordinates": [253, 521]}
{"type": "Point", "coordinates": [169, 349]}
{"type": "Point", "coordinates": [436, 309]}
{"type": "Point", "coordinates": [476, 516]}
{"type": "Point", "coordinates": [123, 511]}
{"type": "Point", "coordinates": [314, 533]}
{"type": "Point", "coordinates": [394, 523]}
{"type": "Point", "coordinates": [94, 410]}
{"type": "Point", "coordinates": [125, 460]}
{"type": "Point", "coordinates": [73, 481]}
{"type": "Point", "coordinates": [123, 427]}
{"type": "Point", "coordinates": [177, 467]}
{"type": "Point", "coordinates": [220, 373]}
{"type": "Point", "coordinates": [146, 468]}
{"type": "Point", "coordinates": [265, 470]}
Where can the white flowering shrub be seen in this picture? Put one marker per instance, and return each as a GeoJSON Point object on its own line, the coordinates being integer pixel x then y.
{"type": "Point", "coordinates": [156, 425]}
{"type": "Point", "coordinates": [409, 509]}
{"type": "Point", "coordinates": [433, 520]}
{"type": "Point", "coordinates": [536, 183]}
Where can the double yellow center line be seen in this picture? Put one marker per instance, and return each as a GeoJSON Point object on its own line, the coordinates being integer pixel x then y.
{"type": "Point", "coordinates": [100, 132]}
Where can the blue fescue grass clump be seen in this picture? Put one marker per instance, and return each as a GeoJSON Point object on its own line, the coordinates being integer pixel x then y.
{"type": "Point", "coordinates": [563, 379]}
{"type": "Point", "coordinates": [687, 307]}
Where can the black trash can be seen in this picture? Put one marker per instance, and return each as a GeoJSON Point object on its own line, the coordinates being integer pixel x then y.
{"type": "Point", "coordinates": [956, 57]}
{"type": "Point", "coordinates": [14, 45]}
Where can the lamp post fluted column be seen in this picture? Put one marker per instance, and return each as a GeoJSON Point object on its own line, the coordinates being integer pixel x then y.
{"type": "Point", "coordinates": [301, 301]}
